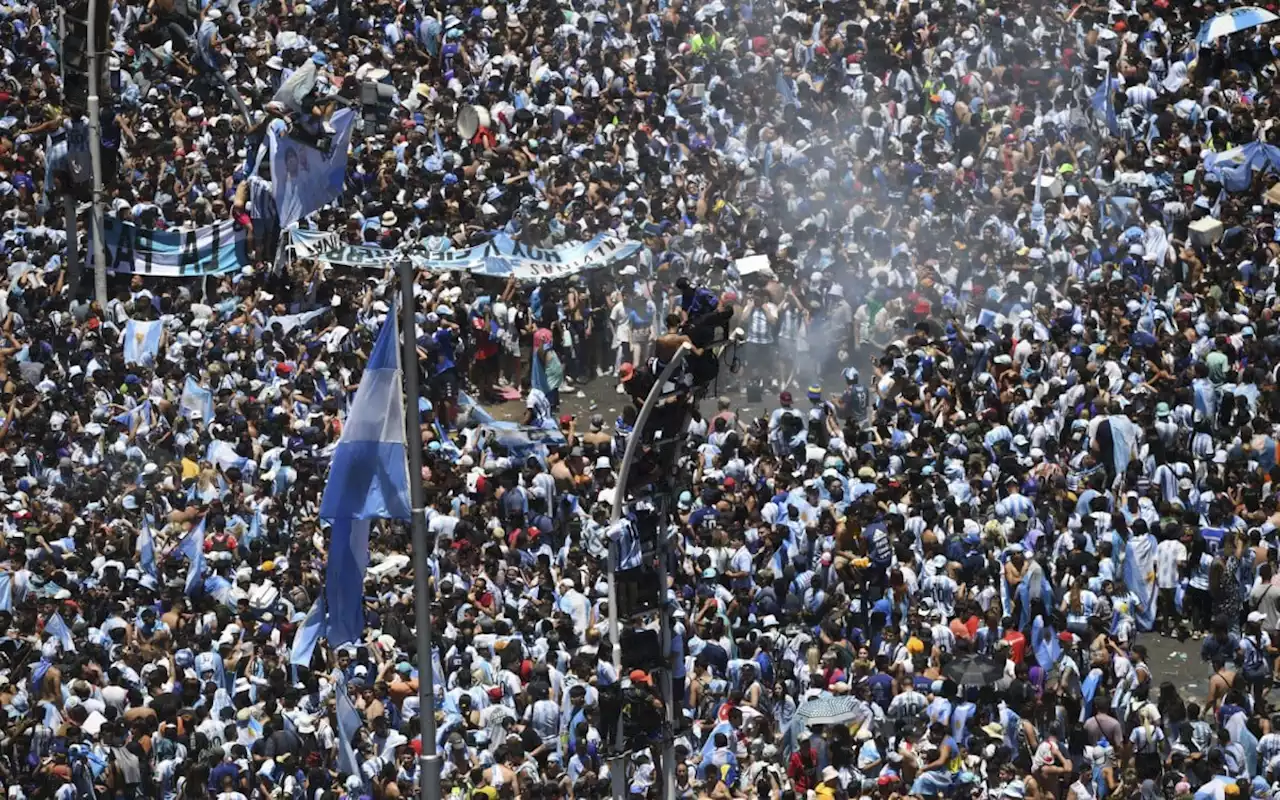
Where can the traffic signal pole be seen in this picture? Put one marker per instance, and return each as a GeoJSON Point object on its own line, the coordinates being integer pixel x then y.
{"type": "Point", "coordinates": [95, 157]}
{"type": "Point", "coordinates": [618, 763]}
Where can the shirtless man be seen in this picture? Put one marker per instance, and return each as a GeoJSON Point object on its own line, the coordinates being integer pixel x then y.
{"type": "Point", "coordinates": [668, 343]}
{"type": "Point", "coordinates": [1220, 682]}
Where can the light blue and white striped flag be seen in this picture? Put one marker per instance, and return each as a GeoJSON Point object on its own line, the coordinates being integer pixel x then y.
{"type": "Point", "coordinates": [196, 399]}
{"type": "Point", "coordinates": [369, 475]}
{"type": "Point", "coordinates": [348, 727]}
{"type": "Point", "coordinates": [308, 634]}
{"type": "Point", "coordinates": [193, 548]}
{"type": "Point", "coordinates": [368, 479]}
{"type": "Point", "coordinates": [344, 580]}
{"type": "Point", "coordinates": [288, 322]}
{"type": "Point", "coordinates": [136, 416]}
{"type": "Point", "coordinates": [142, 341]}
{"type": "Point", "coordinates": [147, 549]}
{"type": "Point", "coordinates": [223, 455]}
{"type": "Point", "coordinates": [255, 527]}
{"type": "Point", "coordinates": [58, 629]}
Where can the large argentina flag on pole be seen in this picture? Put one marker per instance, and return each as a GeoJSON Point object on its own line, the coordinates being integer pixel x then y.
{"type": "Point", "coordinates": [368, 479]}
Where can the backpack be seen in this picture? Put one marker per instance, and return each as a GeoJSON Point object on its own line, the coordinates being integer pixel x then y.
{"type": "Point", "coordinates": [1255, 663]}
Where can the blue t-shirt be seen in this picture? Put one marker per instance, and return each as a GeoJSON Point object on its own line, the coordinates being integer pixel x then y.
{"type": "Point", "coordinates": [443, 339]}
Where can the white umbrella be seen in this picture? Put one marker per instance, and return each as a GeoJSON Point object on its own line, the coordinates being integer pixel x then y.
{"type": "Point", "coordinates": [1229, 22]}
{"type": "Point", "coordinates": [829, 710]}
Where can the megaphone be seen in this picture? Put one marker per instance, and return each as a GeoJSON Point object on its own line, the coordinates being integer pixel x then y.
{"type": "Point", "coordinates": [471, 119]}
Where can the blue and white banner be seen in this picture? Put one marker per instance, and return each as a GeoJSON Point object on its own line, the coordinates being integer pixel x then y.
{"type": "Point", "coordinates": [499, 257]}
{"type": "Point", "coordinates": [1233, 21]}
{"type": "Point", "coordinates": [304, 178]}
{"type": "Point", "coordinates": [212, 250]}
{"type": "Point", "coordinates": [309, 244]}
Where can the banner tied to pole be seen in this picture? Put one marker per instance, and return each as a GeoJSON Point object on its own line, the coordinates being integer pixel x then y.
{"type": "Point", "coordinates": [500, 257]}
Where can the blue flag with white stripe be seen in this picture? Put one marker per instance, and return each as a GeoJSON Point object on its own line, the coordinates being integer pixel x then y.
{"type": "Point", "coordinates": [6, 591]}
{"type": "Point", "coordinates": [142, 341]}
{"type": "Point", "coordinates": [138, 415]}
{"type": "Point", "coordinates": [255, 527]}
{"type": "Point", "coordinates": [368, 479]}
{"type": "Point", "coordinates": [344, 580]}
{"type": "Point", "coordinates": [223, 455]}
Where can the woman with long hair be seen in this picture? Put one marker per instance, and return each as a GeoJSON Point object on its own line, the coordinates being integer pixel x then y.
{"type": "Point", "coordinates": [1197, 603]}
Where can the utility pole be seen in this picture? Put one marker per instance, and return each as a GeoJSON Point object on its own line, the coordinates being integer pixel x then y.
{"type": "Point", "coordinates": [666, 677]}
{"type": "Point", "coordinates": [98, 12]}
{"type": "Point", "coordinates": [429, 763]}
{"type": "Point", "coordinates": [70, 216]}
{"type": "Point", "coordinates": [83, 24]}
{"type": "Point", "coordinates": [618, 764]}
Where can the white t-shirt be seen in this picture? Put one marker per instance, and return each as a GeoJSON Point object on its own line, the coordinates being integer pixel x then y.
{"type": "Point", "coordinates": [538, 403]}
{"type": "Point", "coordinates": [1170, 554]}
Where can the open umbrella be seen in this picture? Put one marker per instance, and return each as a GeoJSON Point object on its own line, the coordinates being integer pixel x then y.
{"type": "Point", "coordinates": [830, 710]}
{"type": "Point", "coordinates": [1229, 22]}
{"type": "Point", "coordinates": [974, 671]}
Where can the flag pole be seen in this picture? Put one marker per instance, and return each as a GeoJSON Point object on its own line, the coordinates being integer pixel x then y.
{"type": "Point", "coordinates": [429, 763]}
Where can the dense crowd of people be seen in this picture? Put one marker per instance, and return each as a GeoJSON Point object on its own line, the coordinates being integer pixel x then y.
{"type": "Point", "coordinates": [981, 406]}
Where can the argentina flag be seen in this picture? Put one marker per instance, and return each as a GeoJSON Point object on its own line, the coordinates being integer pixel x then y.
{"type": "Point", "coordinates": [369, 475]}
{"type": "Point", "coordinates": [348, 727]}
{"type": "Point", "coordinates": [308, 634]}
{"type": "Point", "coordinates": [193, 548]}
{"type": "Point", "coordinates": [1104, 104]}
{"type": "Point", "coordinates": [142, 341]}
{"type": "Point", "coordinates": [57, 628]}
{"type": "Point", "coordinates": [135, 417]}
{"type": "Point", "coordinates": [368, 479]}
{"type": "Point", "coordinates": [196, 400]}
{"type": "Point", "coordinates": [147, 549]}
